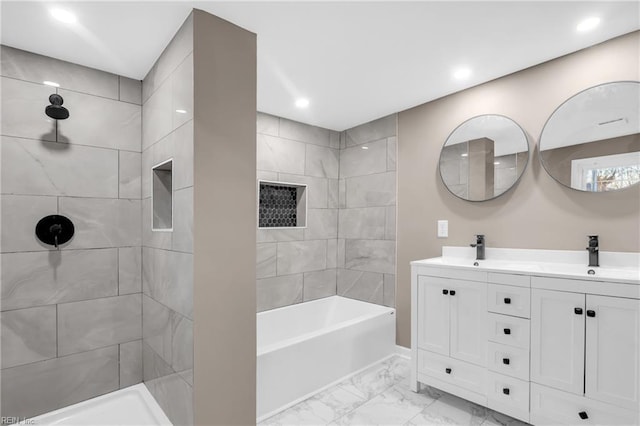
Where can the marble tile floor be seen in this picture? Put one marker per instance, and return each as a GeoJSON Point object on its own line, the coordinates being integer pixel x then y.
{"type": "Point", "coordinates": [381, 396]}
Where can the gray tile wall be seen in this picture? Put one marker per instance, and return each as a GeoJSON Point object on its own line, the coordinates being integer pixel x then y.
{"type": "Point", "coordinates": [71, 319]}
{"type": "Point", "coordinates": [167, 257]}
{"type": "Point", "coordinates": [295, 265]}
{"type": "Point", "coordinates": [367, 217]}
{"type": "Point", "coordinates": [348, 246]}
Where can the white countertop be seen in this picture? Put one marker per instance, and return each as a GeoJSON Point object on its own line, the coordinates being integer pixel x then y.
{"type": "Point", "coordinates": [615, 266]}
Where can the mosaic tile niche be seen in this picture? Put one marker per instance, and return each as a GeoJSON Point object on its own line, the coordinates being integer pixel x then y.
{"type": "Point", "coordinates": [281, 205]}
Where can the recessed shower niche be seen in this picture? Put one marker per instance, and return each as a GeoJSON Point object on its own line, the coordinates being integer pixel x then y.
{"type": "Point", "coordinates": [162, 181]}
{"type": "Point", "coordinates": [282, 205]}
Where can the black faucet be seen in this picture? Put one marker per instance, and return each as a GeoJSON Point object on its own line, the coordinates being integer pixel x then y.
{"type": "Point", "coordinates": [479, 245]}
{"type": "Point", "coordinates": [594, 250]}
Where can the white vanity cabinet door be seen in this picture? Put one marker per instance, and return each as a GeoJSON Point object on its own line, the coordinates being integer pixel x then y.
{"type": "Point", "coordinates": [557, 339]}
{"type": "Point", "coordinates": [468, 317]}
{"type": "Point", "coordinates": [433, 314]}
{"type": "Point", "coordinates": [613, 350]}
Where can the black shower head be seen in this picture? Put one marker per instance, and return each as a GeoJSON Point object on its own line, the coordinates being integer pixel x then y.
{"type": "Point", "coordinates": [56, 110]}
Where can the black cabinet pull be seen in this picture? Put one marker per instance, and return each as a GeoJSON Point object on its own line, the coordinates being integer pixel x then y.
{"type": "Point", "coordinates": [507, 331]}
{"type": "Point", "coordinates": [448, 370]}
{"type": "Point", "coordinates": [452, 292]}
{"type": "Point", "coordinates": [507, 300]}
{"type": "Point", "coordinates": [445, 291]}
{"type": "Point", "coordinates": [591, 313]}
{"type": "Point", "coordinates": [505, 361]}
{"type": "Point", "coordinates": [505, 391]}
{"type": "Point", "coordinates": [578, 311]}
{"type": "Point", "coordinates": [583, 415]}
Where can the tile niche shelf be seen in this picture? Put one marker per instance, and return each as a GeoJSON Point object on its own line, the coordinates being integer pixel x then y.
{"type": "Point", "coordinates": [162, 194]}
{"type": "Point", "coordinates": [281, 205]}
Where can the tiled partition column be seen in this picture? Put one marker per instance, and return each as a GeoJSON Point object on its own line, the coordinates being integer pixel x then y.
{"type": "Point", "coordinates": [167, 255]}
{"type": "Point", "coordinates": [295, 265]}
{"type": "Point", "coordinates": [71, 319]}
{"type": "Point", "coordinates": [367, 216]}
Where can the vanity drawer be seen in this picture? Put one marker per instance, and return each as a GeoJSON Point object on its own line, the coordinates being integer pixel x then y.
{"type": "Point", "coordinates": [508, 330]}
{"type": "Point", "coordinates": [509, 279]}
{"type": "Point", "coordinates": [508, 395]}
{"type": "Point", "coordinates": [552, 407]}
{"type": "Point", "coordinates": [509, 300]}
{"type": "Point", "coordinates": [508, 360]}
{"type": "Point", "coordinates": [459, 373]}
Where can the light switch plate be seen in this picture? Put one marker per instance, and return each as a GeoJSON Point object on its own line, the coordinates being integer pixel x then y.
{"type": "Point", "coordinates": [443, 229]}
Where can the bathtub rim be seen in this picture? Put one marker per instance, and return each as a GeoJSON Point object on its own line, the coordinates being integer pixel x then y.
{"type": "Point", "coordinates": [385, 310]}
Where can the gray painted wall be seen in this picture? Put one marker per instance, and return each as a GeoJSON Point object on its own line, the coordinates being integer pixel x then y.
{"type": "Point", "coordinates": [538, 213]}
{"type": "Point", "coordinates": [225, 221]}
{"type": "Point", "coordinates": [71, 319]}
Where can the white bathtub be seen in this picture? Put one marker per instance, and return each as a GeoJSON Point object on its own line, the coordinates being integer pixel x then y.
{"type": "Point", "coordinates": [309, 346]}
{"type": "Point", "coordinates": [129, 406]}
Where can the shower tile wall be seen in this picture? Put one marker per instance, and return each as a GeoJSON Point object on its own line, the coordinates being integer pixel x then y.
{"type": "Point", "coordinates": [71, 319]}
{"type": "Point", "coordinates": [295, 265]}
{"type": "Point", "coordinates": [167, 256]}
{"type": "Point", "coordinates": [348, 247]}
{"type": "Point", "coordinates": [367, 215]}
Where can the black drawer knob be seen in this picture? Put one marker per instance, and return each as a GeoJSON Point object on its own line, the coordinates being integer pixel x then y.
{"type": "Point", "coordinates": [507, 300]}
{"type": "Point", "coordinates": [452, 292]}
{"type": "Point", "coordinates": [578, 311]}
{"type": "Point", "coordinates": [445, 291]}
{"type": "Point", "coordinates": [505, 361]}
{"type": "Point", "coordinates": [507, 331]}
{"type": "Point", "coordinates": [591, 313]}
{"type": "Point", "coordinates": [447, 370]}
{"type": "Point", "coordinates": [505, 391]}
{"type": "Point", "coordinates": [583, 415]}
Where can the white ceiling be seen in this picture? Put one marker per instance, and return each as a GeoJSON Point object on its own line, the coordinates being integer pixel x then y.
{"type": "Point", "coordinates": [355, 61]}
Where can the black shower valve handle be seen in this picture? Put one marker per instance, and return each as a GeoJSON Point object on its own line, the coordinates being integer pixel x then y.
{"type": "Point", "coordinates": [55, 230]}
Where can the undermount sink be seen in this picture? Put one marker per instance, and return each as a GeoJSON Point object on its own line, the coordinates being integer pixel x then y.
{"type": "Point", "coordinates": [621, 267]}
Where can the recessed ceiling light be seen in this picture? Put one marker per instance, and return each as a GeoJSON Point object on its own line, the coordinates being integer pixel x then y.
{"type": "Point", "coordinates": [464, 155]}
{"type": "Point", "coordinates": [365, 147]}
{"type": "Point", "coordinates": [51, 83]}
{"type": "Point", "coordinates": [181, 111]}
{"type": "Point", "coordinates": [63, 16]}
{"type": "Point", "coordinates": [462, 73]}
{"type": "Point", "coordinates": [302, 103]}
{"type": "Point", "coordinates": [588, 24]}
{"type": "Point", "coordinates": [496, 163]}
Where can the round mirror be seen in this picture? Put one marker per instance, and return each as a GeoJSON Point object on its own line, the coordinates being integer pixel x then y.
{"type": "Point", "coordinates": [592, 141]}
{"type": "Point", "coordinates": [484, 157]}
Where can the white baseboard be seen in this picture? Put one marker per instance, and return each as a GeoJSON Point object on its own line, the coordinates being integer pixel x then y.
{"type": "Point", "coordinates": [403, 352]}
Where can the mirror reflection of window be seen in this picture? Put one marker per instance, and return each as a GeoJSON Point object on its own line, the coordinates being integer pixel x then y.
{"type": "Point", "coordinates": [606, 173]}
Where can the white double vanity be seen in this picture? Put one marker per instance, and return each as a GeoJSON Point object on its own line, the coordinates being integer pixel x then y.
{"type": "Point", "coordinates": [535, 334]}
